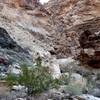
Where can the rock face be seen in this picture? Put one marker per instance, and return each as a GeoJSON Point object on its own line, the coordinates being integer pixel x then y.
{"type": "Point", "coordinates": [90, 54]}
{"type": "Point", "coordinates": [23, 35]}
{"type": "Point", "coordinates": [66, 30]}
{"type": "Point", "coordinates": [89, 41]}
{"type": "Point", "coordinates": [29, 4]}
{"type": "Point", "coordinates": [7, 42]}
{"type": "Point", "coordinates": [27, 31]}
{"type": "Point", "coordinates": [8, 45]}
{"type": "Point", "coordinates": [87, 97]}
{"type": "Point", "coordinates": [76, 24]}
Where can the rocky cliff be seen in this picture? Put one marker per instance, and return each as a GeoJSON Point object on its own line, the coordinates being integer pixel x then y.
{"type": "Point", "coordinates": [68, 28]}
{"type": "Point", "coordinates": [65, 34]}
{"type": "Point", "coordinates": [71, 19]}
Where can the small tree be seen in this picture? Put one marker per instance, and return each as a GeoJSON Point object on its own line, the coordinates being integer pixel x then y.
{"type": "Point", "coordinates": [36, 79]}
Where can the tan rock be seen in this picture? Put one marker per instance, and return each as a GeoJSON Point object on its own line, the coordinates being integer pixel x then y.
{"type": "Point", "coordinates": [78, 80]}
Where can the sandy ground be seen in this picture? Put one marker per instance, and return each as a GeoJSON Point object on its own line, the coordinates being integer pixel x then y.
{"type": "Point", "coordinates": [3, 88]}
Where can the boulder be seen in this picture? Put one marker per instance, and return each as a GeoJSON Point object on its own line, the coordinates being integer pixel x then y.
{"type": "Point", "coordinates": [65, 61]}
{"type": "Point", "coordinates": [67, 64]}
{"type": "Point", "coordinates": [15, 69]}
{"type": "Point", "coordinates": [7, 42]}
{"type": "Point", "coordinates": [18, 87]}
{"type": "Point", "coordinates": [78, 80]}
{"type": "Point", "coordinates": [87, 97]}
{"type": "Point", "coordinates": [55, 94]}
{"type": "Point", "coordinates": [55, 68]}
{"type": "Point", "coordinates": [95, 92]}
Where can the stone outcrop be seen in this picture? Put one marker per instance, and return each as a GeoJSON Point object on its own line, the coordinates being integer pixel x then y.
{"type": "Point", "coordinates": [7, 42]}
{"type": "Point", "coordinates": [59, 28]}
{"type": "Point", "coordinates": [89, 40]}
{"type": "Point", "coordinates": [24, 35]}
{"type": "Point", "coordinates": [65, 34]}
{"type": "Point", "coordinates": [90, 53]}
{"type": "Point", "coordinates": [10, 49]}
{"type": "Point", "coordinates": [76, 24]}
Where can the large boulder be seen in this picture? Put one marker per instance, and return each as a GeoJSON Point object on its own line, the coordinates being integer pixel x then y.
{"type": "Point", "coordinates": [87, 97]}
{"type": "Point", "coordinates": [7, 42]}
{"type": "Point", "coordinates": [10, 51]}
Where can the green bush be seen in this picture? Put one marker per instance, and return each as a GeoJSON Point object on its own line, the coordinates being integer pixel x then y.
{"type": "Point", "coordinates": [36, 79]}
{"type": "Point", "coordinates": [64, 79]}
{"type": "Point", "coordinates": [11, 79]}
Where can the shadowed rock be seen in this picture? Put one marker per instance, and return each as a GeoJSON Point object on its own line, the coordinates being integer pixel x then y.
{"type": "Point", "coordinates": [90, 45]}
{"type": "Point", "coordinates": [7, 42]}
{"type": "Point", "coordinates": [10, 51]}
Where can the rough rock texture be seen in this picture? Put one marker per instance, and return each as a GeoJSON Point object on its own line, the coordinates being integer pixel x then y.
{"type": "Point", "coordinates": [10, 51]}
{"type": "Point", "coordinates": [91, 55]}
{"type": "Point", "coordinates": [76, 24]}
{"type": "Point", "coordinates": [30, 31]}
{"type": "Point", "coordinates": [28, 4]}
{"type": "Point", "coordinates": [57, 29]}
{"type": "Point", "coordinates": [27, 30]}
{"type": "Point", "coordinates": [89, 40]}
{"type": "Point", "coordinates": [7, 42]}
{"type": "Point", "coordinates": [64, 29]}
{"type": "Point", "coordinates": [21, 35]}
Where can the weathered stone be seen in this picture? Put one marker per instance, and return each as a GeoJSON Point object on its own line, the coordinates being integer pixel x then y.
{"type": "Point", "coordinates": [87, 97]}
{"type": "Point", "coordinates": [78, 80]}
{"type": "Point", "coordinates": [90, 53]}
{"type": "Point", "coordinates": [95, 92]}
{"type": "Point", "coordinates": [7, 42]}
{"type": "Point", "coordinates": [56, 95]}
{"type": "Point", "coordinates": [18, 88]}
{"type": "Point", "coordinates": [30, 4]}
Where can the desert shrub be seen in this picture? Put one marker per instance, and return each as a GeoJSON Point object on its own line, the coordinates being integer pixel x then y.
{"type": "Point", "coordinates": [36, 79]}
{"type": "Point", "coordinates": [64, 79]}
{"type": "Point", "coordinates": [11, 79]}
{"type": "Point", "coordinates": [56, 83]}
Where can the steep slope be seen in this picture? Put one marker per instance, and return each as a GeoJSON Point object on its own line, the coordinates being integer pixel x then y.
{"type": "Point", "coordinates": [20, 23]}
{"type": "Point", "coordinates": [28, 31]}
{"type": "Point", "coordinates": [55, 28]}
{"type": "Point", "coordinates": [65, 34]}
{"type": "Point", "coordinates": [71, 18]}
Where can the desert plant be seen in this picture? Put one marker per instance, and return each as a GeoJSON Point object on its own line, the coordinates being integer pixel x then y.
{"type": "Point", "coordinates": [56, 83]}
{"type": "Point", "coordinates": [36, 79]}
{"type": "Point", "coordinates": [64, 79]}
{"type": "Point", "coordinates": [11, 80]}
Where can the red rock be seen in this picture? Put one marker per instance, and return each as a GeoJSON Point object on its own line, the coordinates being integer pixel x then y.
{"type": "Point", "coordinates": [91, 42]}
{"type": "Point", "coordinates": [24, 3]}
